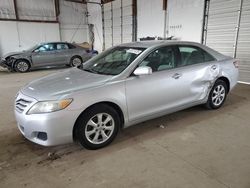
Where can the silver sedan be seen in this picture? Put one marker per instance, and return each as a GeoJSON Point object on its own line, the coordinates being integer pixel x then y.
{"type": "Point", "coordinates": [122, 86]}
{"type": "Point", "coordinates": [46, 55]}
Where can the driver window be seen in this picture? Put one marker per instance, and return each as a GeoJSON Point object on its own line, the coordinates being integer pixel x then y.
{"type": "Point", "coordinates": [45, 48]}
{"type": "Point", "coordinates": [161, 59]}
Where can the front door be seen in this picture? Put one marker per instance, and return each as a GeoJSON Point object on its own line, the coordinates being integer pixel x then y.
{"type": "Point", "coordinates": [45, 55]}
{"type": "Point", "coordinates": [155, 93]}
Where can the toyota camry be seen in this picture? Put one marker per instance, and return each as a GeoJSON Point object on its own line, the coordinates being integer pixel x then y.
{"type": "Point", "coordinates": [123, 86]}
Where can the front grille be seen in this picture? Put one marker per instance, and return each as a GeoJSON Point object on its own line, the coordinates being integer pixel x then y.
{"type": "Point", "coordinates": [22, 104]}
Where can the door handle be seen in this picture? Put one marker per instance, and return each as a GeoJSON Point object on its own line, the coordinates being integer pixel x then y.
{"type": "Point", "coordinates": [176, 76]}
{"type": "Point", "coordinates": [214, 67]}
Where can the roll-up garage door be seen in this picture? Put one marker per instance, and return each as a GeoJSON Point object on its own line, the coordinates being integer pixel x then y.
{"type": "Point", "coordinates": [228, 31]}
{"type": "Point", "coordinates": [108, 32]}
{"type": "Point", "coordinates": [243, 45]}
{"type": "Point", "coordinates": [118, 22]}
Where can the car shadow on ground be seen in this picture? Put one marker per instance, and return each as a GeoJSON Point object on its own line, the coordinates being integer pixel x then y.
{"type": "Point", "coordinates": [15, 146]}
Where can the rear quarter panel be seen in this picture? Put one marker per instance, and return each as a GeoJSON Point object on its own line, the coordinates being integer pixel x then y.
{"type": "Point", "coordinates": [229, 71]}
{"type": "Point", "coordinates": [82, 53]}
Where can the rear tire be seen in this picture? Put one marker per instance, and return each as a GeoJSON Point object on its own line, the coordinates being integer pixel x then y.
{"type": "Point", "coordinates": [217, 95]}
{"type": "Point", "coordinates": [97, 127]}
{"type": "Point", "coordinates": [22, 66]}
{"type": "Point", "coordinates": [76, 61]}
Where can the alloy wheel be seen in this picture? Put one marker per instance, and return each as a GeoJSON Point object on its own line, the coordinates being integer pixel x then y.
{"type": "Point", "coordinates": [76, 62]}
{"type": "Point", "coordinates": [218, 95]}
{"type": "Point", "coordinates": [99, 128]}
{"type": "Point", "coordinates": [22, 66]}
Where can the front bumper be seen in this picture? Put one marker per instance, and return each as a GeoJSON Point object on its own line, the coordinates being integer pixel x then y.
{"type": "Point", "coordinates": [3, 63]}
{"type": "Point", "coordinates": [6, 64]}
{"type": "Point", "coordinates": [46, 129]}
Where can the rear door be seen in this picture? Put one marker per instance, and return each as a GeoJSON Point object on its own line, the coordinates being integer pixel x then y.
{"type": "Point", "coordinates": [63, 53]}
{"type": "Point", "coordinates": [197, 70]}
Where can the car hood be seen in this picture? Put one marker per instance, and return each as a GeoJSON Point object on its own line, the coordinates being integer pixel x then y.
{"type": "Point", "coordinates": [13, 54]}
{"type": "Point", "coordinates": [61, 84]}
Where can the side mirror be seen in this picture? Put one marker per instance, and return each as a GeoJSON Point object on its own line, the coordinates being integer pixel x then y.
{"type": "Point", "coordinates": [144, 70]}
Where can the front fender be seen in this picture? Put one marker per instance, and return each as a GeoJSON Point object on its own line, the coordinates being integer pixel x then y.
{"type": "Point", "coordinates": [110, 92]}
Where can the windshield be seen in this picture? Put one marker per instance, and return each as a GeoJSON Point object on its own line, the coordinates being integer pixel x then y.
{"type": "Point", "coordinates": [32, 48]}
{"type": "Point", "coordinates": [113, 62]}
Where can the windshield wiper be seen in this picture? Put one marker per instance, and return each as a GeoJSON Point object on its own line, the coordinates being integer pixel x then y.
{"type": "Point", "coordinates": [89, 70]}
{"type": "Point", "coordinates": [97, 72]}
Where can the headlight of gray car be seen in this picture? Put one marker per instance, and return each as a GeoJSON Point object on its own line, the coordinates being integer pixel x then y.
{"type": "Point", "coordinates": [49, 106]}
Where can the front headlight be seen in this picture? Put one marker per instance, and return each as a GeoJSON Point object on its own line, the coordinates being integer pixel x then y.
{"type": "Point", "coordinates": [49, 106]}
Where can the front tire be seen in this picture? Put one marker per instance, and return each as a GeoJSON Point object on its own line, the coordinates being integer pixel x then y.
{"type": "Point", "coordinates": [217, 95]}
{"type": "Point", "coordinates": [97, 127]}
{"type": "Point", "coordinates": [22, 66]}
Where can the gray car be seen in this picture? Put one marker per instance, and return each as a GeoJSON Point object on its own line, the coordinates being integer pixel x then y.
{"type": "Point", "coordinates": [122, 86]}
{"type": "Point", "coordinates": [44, 55]}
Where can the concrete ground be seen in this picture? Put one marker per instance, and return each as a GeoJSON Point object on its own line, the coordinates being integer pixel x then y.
{"type": "Point", "coordinates": [194, 148]}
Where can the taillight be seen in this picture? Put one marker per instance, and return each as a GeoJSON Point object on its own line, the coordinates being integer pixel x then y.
{"type": "Point", "coordinates": [236, 64]}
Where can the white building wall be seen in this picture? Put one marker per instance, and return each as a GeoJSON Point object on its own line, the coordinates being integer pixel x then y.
{"type": "Point", "coordinates": [73, 22]}
{"type": "Point", "coordinates": [150, 18]}
{"type": "Point", "coordinates": [185, 19]}
{"type": "Point", "coordinates": [17, 36]}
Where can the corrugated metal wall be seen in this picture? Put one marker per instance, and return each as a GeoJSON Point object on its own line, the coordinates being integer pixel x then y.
{"type": "Point", "coordinates": [243, 47]}
{"type": "Point", "coordinates": [228, 31]}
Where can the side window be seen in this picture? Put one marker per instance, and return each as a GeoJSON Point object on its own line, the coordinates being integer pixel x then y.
{"type": "Point", "coordinates": [161, 59]}
{"type": "Point", "coordinates": [193, 55]}
{"type": "Point", "coordinates": [71, 46]}
{"type": "Point", "coordinates": [46, 48]}
{"type": "Point", "coordinates": [62, 46]}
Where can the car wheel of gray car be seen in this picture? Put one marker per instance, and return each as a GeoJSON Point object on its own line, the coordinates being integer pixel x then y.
{"type": "Point", "coordinates": [76, 61]}
{"type": "Point", "coordinates": [217, 95]}
{"type": "Point", "coordinates": [97, 127]}
{"type": "Point", "coordinates": [22, 66]}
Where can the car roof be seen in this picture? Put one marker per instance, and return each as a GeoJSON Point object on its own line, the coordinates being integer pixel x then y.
{"type": "Point", "coordinates": [155, 43]}
{"type": "Point", "coordinates": [159, 43]}
{"type": "Point", "coordinates": [54, 43]}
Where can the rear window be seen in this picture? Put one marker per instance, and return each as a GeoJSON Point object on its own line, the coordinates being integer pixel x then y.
{"type": "Point", "coordinates": [62, 46]}
{"type": "Point", "coordinates": [71, 46]}
{"type": "Point", "coordinates": [193, 55]}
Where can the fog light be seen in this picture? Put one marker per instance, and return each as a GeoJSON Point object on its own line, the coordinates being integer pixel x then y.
{"type": "Point", "coordinates": [42, 136]}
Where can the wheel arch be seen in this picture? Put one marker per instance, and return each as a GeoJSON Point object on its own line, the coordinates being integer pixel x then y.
{"type": "Point", "coordinates": [226, 80]}
{"type": "Point", "coordinates": [23, 59]}
{"type": "Point", "coordinates": [111, 104]}
{"type": "Point", "coordinates": [75, 55]}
